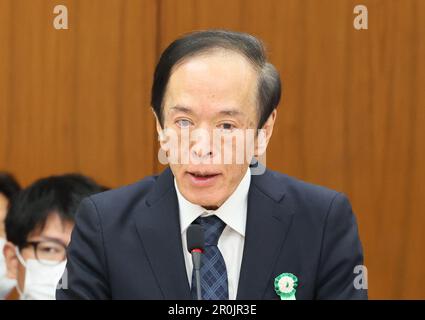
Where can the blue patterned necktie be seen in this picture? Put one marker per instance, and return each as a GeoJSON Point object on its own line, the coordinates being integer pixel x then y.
{"type": "Point", "coordinates": [214, 284]}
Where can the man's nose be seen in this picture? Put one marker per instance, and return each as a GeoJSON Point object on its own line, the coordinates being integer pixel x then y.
{"type": "Point", "coordinates": [202, 145]}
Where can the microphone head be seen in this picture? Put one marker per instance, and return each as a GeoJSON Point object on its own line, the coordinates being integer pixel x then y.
{"type": "Point", "coordinates": [195, 237]}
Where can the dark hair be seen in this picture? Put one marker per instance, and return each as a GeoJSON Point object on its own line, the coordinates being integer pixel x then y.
{"type": "Point", "coordinates": [269, 85]}
{"type": "Point", "coordinates": [104, 188]}
{"type": "Point", "coordinates": [55, 194]}
{"type": "Point", "coordinates": [9, 187]}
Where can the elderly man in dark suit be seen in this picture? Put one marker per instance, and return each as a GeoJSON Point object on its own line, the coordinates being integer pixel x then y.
{"type": "Point", "coordinates": [267, 235]}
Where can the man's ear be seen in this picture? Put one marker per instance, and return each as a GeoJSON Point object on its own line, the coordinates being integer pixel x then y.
{"type": "Point", "coordinates": [159, 129]}
{"type": "Point", "coordinates": [12, 262]}
{"type": "Point", "coordinates": [264, 136]}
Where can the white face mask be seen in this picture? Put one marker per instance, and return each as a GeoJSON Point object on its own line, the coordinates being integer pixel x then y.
{"type": "Point", "coordinates": [6, 284]}
{"type": "Point", "coordinates": [41, 280]}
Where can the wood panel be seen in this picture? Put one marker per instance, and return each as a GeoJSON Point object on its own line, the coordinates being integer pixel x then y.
{"type": "Point", "coordinates": [77, 99]}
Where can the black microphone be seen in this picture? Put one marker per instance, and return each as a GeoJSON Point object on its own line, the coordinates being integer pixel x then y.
{"type": "Point", "coordinates": [195, 245]}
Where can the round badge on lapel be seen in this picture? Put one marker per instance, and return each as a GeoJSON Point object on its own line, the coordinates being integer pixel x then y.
{"type": "Point", "coordinates": [285, 286]}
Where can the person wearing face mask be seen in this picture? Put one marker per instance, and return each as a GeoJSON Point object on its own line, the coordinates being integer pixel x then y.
{"type": "Point", "coordinates": [38, 230]}
{"type": "Point", "coordinates": [9, 189]}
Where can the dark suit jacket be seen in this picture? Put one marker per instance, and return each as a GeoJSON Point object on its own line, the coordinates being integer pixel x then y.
{"type": "Point", "coordinates": [127, 244]}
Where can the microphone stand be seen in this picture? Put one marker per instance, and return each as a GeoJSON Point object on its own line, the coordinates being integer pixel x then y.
{"type": "Point", "coordinates": [196, 259]}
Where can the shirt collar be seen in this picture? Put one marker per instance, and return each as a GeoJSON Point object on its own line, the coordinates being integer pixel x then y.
{"type": "Point", "coordinates": [232, 212]}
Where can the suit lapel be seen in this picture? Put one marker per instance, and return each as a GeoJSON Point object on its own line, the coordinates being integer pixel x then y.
{"type": "Point", "coordinates": [268, 220]}
{"type": "Point", "coordinates": [158, 226]}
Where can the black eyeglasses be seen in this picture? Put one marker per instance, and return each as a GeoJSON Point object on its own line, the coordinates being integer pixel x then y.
{"type": "Point", "coordinates": [48, 252]}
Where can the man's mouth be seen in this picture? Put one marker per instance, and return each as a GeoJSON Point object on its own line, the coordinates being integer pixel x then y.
{"type": "Point", "coordinates": [203, 175]}
{"type": "Point", "coordinates": [203, 178]}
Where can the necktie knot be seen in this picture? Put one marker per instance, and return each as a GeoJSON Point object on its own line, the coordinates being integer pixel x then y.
{"type": "Point", "coordinates": [213, 227]}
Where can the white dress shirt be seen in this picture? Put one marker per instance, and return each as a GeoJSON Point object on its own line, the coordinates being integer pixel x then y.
{"type": "Point", "coordinates": [231, 242]}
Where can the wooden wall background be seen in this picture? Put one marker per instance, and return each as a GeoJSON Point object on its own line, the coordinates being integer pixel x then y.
{"type": "Point", "coordinates": [352, 116]}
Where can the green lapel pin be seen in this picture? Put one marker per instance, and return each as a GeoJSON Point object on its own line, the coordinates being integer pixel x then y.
{"type": "Point", "coordinates": [285, 286]}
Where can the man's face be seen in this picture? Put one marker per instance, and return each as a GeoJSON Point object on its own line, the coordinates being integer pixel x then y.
{"type": "Point", "coordinates": [55, 229]}
{"type": "Point", "coordinates": [206, 94]}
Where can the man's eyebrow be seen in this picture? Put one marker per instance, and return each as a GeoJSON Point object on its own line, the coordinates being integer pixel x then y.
{"type": "Point", "coordinates": [231, 112]}
{"type": "Point", "coordinates": [53, 239]}
{"type": "Point", "coordinates": [226, 112]}
{"type": "Point", "coordinates": [180, 108]}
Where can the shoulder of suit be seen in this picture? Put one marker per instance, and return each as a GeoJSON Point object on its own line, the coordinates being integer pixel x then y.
{"type": "Point", "coordinates": [309, 202]}
{"type": "Point", "coordinates": [302, 196]}
{"type": "Point", "coordinates": [125, 195]}
{"type": "Point", "coordinates": [273, 180]}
